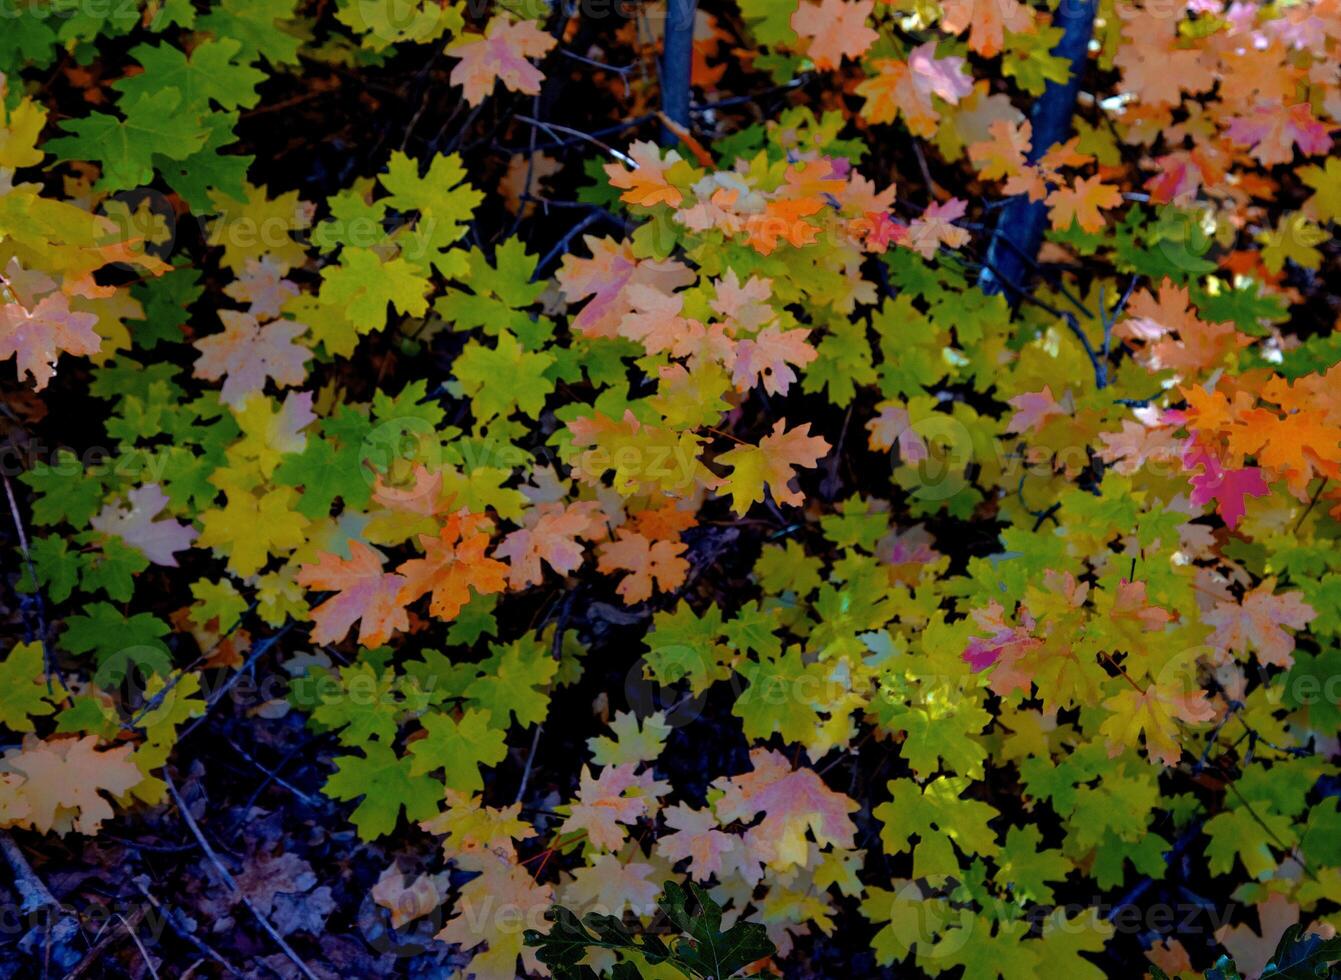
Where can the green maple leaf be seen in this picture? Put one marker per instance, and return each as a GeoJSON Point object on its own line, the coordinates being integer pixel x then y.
{"type": "Point", "coordinates": [683, 644]}
{"type": "Point", "coordinates": [367, 704]}
{"type": "Point", "coordinates": [118, 641]}
{"type": "Point", "coordinates": [499, 295]}
{"type": "Point", "coordinates": [125, 148]}
{"type": "Point", "coordinates": [504, 378]}
{"type": "Point", "coordinates": [165, 299]}
{"type": "Point", "coordinates": [66, 491]}
{"type": "Point", "coordinates": [844, 362]}
{"type": "Point", "coordinates": [938, 814]}
{"type": "Point", "coordinates": [984, 956]}
{"type": "Point", "coordinates": [458, 747]}
{"type": "Point", "coordinates": [257, 24]}
{"type": "Point", "coordinates": [1238, 833]}
{"type": "Point", "coordinates": [1026, 868]}
{"type": "Point", "coordinates": [23, 688]}
{"type": "Point", "coordinates": [325, 473]}
{"type": "Point", "coordinates": [512, 681]}
{"type": "Point", "coordinates": [210, 73]}
{"type": "Point", "coordinates": [57, 569]}
{"type": "Point", "coordinates": [363, 284]}
{"type": "Point", "coordinates": [111, 567]}
{"type": "Point", "coordinates": [206, 170]}
{"type": "Point", "coordinates": [385, 785]}
{"type": "Point", "coordinates": [441, 195]}
{"type": "Point", "coordinates": [219, 601]}
{"type": "Point", "coordinates": [773, 701]}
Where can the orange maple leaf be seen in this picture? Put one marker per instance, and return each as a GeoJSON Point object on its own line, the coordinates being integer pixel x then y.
{"type": "Point", "coordinates": [553, 534]}
{"type": "Point", "coordinates": [836, 29]}
{"type": "Point", "coordinates": [500, 55]}
{"type": "Point", "coordinates": [990, 19]}
{"type": "Point", "coordinates": [767, 357]}
{"type": "Point", "coordinates": [247, 353]}
{"type": "Point", "coordinates": [646, 185]}
{"type": "Point", "coordinates": [35, 337]}
{"type": "Point", "coordinates": [64, 779]}
{"type": "Point", "coordinates": [364, 592]}
{"type": "Point", "coordinates": [648, 562]}
{"type": "Point", "coordinates": [453, 564]}
{"type": "Point", "coordinates": [1082, 202]}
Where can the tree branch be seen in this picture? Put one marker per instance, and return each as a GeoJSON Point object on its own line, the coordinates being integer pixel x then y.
{"type": "Point", "coordinates": [1022, 221]}
{"type": "Point", "coordinates": [676, 62]}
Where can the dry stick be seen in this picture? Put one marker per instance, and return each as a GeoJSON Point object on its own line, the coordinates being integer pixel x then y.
{"type": "Point", "coordinates": [228, 879]}
{"type": "Point", "coordinates": [173, 919]}
{"type": "Point", "coordinates": [109, 939]}
{"type": "Point", "coordinates": [33, 892]}
{"type": "Point", "coordinates": [48, 662]}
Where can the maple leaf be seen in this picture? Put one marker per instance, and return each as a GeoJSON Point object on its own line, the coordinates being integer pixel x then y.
{"type": "Point", "coordinates": [989, 19]}
{"type": "Point", "coordinates": [607, 276]}
{"type": "Point", "coordinates": [1033, 409]}
{"type": "Point", "coordinates": [617, 796]}
{"type": "Point", "coordinates": [459, 747]}
{"type": "Point", "coordinates": [23, 688]}
{"type": "Point", "coordinates": [385, 785]}
{"type": "Point", "coordinates": [772, 462]}
{"type": "Point", "coordinates": [65, 779]}
{"type": "Point", "coordinates": [792, 802]}
{"type": "Point", "coordinates": [500, 55]}
{"type": "Point", "coordinates": [836, 28]}
{"type": "Point", "coordinates": [1259, 623]}
{"type": "Point", "coordinates": [610, 886]}
{"type": "Point", "coordinates": [365, 593]}
{"type": "Point", "coordinates": [1153, 712]}
{"type": "Point", "coordinates": [650, 563]}
{"type": "Point", "coordinates": [646, 185]}
{"type": "Point", "coordinates": [1274, 130]}
{"type": "Point", "coordinates": [1229, 488]}
{"type": "Point", "coordinates": [247, 353]}
{"type": "Point", "coordinates": [934, 228]}
{"type": "Point", "coordinates": [492, 909]}
{"type": "Point", "coordinates": [552, 534]}
{"type": "Point", "coordinates": [511, 682]}
{"type": "Point", "coordinates": [136, 525]}
{"type": "Point", "coordinates": [1081, 203]}
{"type": "Point", "coordinates": [470, 827]}
{"type": "Point", "coordinates": [405, 900]}
{"type": "Point", "coordinates": [635, 740]}
{"type": "Point", "coordinates": [263, 285]}
{"type": "Point", "coordinates": [250, 528]}
{"type": "Point", "coordinates": [35, 337]}
{"type": "Point", "coordinates": [697, 837]}
{"type": "Point", "coordinates": [767, 357]}
{"type": "Point", "coordinates": [453, 564]}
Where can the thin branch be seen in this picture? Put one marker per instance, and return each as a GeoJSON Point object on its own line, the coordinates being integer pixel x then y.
{"type": "Point", "coordinates": [562, 245]}
{"type": "Point", "coordinates": [174, 919]}
{"type": "Point", "coordinates": [48, 661]}
{"type": "Point", "coordinates": [33, 892]}
{"type": "Point", "coordinates": [227, 878]}
{"type": "Point", "coordinates": [553, 128]}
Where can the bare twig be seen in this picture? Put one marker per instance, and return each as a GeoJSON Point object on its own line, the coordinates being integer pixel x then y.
{"type": "Point", "coordinates": [553, 128]}
{"type": "Point", "coordinates": [48, 661]}
{"type": "Point", "coordinates": [33, 892]}
{"type": "Point", "coordinates": [530, 760]}
{"type": "Point", "coordinates": [227, 878]}
{"type": "Point", "coordinates": [174, 919]}
{"type": "Point", "coordinates": [109, 939]}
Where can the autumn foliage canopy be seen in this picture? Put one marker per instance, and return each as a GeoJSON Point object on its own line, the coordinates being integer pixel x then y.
{"type": "Point", "coordinates": [815, 487]}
